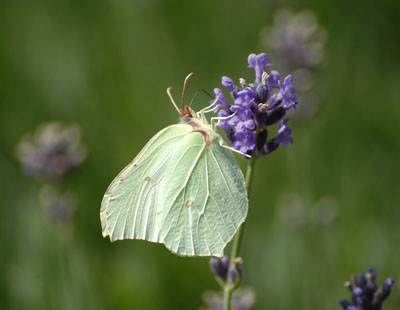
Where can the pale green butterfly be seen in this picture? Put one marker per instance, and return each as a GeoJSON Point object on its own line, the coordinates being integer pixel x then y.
{"type": "Point", "coordinates": [184, 189]}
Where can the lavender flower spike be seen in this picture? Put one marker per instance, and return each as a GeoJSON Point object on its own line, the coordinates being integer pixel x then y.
{"type": "Point", "coordinates": [364, 293]}
{"type": "Point", "coordinates": [52, 151]}
{"type": "Point", "coordinates": [256, 107]}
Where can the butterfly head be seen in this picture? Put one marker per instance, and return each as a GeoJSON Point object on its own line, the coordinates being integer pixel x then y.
{"type": "Point", "coordinates": [186, 112]}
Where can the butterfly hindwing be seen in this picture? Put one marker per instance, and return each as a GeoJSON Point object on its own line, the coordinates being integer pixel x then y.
{"type": "Point", "coordinates": [203, 198]}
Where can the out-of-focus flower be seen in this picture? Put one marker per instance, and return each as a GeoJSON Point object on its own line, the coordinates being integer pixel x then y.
{"type": "Point", "coordinates": [59, 207]}
{"type": "Point", "coordinates": [365, 294]}
{"type": "Point", "coordinates": [255, 107]}
{"type": "Point", "coordinates": [242, 299]}
{"type": "Point", "coordinates": [51, 151]}
{"type": "Point", "coordinates": [296, 43]}
{"type": "Point", "coordinates": [297, 214]}
{"type": "Point", "coordinates": [296, 40]}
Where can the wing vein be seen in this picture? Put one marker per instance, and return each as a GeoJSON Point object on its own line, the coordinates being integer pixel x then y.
{"type": "Point", "coordinates": [229, 189]}
{"type": "Point", "coordinates": [188, 175]}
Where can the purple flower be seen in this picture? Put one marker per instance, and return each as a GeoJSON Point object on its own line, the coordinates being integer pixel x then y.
{"type": "Point", "coordinates": [223, 123]}
{"type": "Point", "coordinates": [258, 63]}
{"type": "Point", "coordinates": [59, 207]}
{"type": "Point", "coordinates": [52, 151]}
{"type": "Point", "coordinates": [242, 299]}
{"type": "Point", "coordinates": [243, 119]}
{"type": "Point", "coordinates": [221, 101]}
{"type": "Point", "coordinates": [256, 106]}
{"type": "Point", "coordinates": [273, 80]}
{"type": "Point", "coordinates": [245, 97]}
{"type": "Point", "coordinates": [244, 141]}
{"type": "Point", "coordinates": [371, 272]}
{"type": "Point", "coordinates": [296, 40]}
{"type": "Point", "coordinates": [228, 83]}
{"type": "Point", "coordinates": [358, 296]}
{"type": "Point", "coordinates": [346, 305]}
{"type": "Point", "coordinates": [296, 43]}
{"type": "Point", "coordinates": [274, 101]}
{"type": "Point", "coordinates": [284, 133]}
{"type": "Point", "coordinates": [364, 293]}
{"type": "Point", "coordinates": [288, 93]}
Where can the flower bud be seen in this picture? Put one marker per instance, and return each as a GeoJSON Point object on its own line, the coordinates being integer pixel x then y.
{"type": "Point", "coordinates": [219, 266]}
{"type": "Point", "coordinates": [386, 288]}
{"type": "Point", "coordinates": [275, 116]}
{"type": "Point", "coordinates": [261, 139]}
{"type": "Point", "coordinates": [234, 274]}
{"type": "Point", "coordinates": [261, 93]}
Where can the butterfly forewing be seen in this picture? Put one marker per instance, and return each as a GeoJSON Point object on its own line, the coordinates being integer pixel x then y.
{"type": "Point", "coordinates": [202, 198]}
{"type": "Point", "coordinates": [128, 209]}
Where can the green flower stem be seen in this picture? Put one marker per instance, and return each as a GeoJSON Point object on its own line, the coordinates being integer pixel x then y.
{"type": "Point", "coordinates": [229, 287]}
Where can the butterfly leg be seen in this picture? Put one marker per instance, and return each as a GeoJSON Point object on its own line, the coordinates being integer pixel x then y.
{"type": "Point", "coordinates": [208, 109]}
{"type": "Point", "coordinates": [235, 150]}
{"type": "Point", "coordinates": [219, 118]}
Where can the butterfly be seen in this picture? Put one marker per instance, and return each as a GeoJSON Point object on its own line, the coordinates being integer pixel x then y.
{"type": "Point", "coordinates": [184, 189]}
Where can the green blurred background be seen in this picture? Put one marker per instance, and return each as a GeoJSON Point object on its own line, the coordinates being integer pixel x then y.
{"type": "Point", "coordinates": [105, 65]}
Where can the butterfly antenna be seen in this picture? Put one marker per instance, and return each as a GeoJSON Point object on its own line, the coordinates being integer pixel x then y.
{"type": "Point", "coordinates": [184, 89]}
{"type": "Point", "coordinates": [172, 99]}
{"type": "Point", "coordinates": [197, 92]}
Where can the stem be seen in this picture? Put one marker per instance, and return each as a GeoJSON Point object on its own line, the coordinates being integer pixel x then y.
{"type": "Point", "coordinates": [229, 287]}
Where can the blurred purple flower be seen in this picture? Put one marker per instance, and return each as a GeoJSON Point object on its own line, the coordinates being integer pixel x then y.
{"type": "Point", "coordinates": [59, 207]}
{"type": "Point", "coordinates": [295, 39]}
{"type": "Point", "coordinates": [243, 298]}
{"type": "Point", "coordinates": [296, 42]}
{"type": "Point", "coordinates": [51, 151]}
